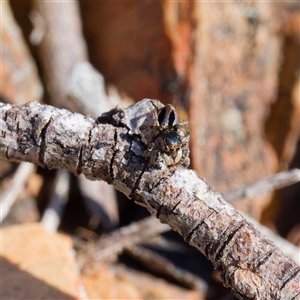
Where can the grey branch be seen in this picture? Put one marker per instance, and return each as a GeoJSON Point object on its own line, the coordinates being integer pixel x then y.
{"type": "Point", "coordinates": [112, 149]}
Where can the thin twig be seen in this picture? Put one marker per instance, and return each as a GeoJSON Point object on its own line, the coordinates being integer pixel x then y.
{"type": "Point", "coordinates": [107, 247]}
{"type": "Point", "coordinates": [264, 185]}
{"type": "Point", "coordinates": [53, 213]}
{"type": "Point", "coordinates": [113, 150]}
{"type": "Point", "coordinates": [159, 264]}
{"type": "Point", "coordinates": [101, 203]}
{"type": "Point", "coordinates": [14, 188]}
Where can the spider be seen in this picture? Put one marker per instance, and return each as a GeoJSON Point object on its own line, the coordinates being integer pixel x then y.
{"type": "Point", "coordinates": [168, 139]}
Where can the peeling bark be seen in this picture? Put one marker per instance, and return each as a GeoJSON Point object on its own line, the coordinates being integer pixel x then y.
{"type": "Point", "coordinates": [112, 149]}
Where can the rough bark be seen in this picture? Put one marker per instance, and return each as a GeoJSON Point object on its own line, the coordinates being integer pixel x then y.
{"type": "Point", "coordinates": [282, 126]}
{"type": "Point", "coordinates": [111, 149]}
{"type": "Point", "coordinates": [234, 80]}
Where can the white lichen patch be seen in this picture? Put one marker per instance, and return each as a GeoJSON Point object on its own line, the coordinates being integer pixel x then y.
{"type": "Point", "coordinates": [194, 185]}
{"type": "Point", "coordinates": [8, 142]}
{"type": "Point", "coordinates": [75, 123]}
{"type": "Point", "coordinates": [3, 126]}
{"type": "Point", "coordinates": [99, 154]}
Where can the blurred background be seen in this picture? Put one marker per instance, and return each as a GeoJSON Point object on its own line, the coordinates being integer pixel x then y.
{"type": "Point", "coordinates": [230, 68]}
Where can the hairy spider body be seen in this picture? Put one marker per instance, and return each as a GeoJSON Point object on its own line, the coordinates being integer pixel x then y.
{"type": "Point", "coordinates": [168, 139]}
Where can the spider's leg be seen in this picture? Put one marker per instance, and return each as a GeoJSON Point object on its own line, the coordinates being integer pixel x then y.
{"type": "Point", "coordinates": [149, 149]}
{"type": "Point", "coordinates": [154, 157]}
{"type": "Point", "coordinates": [144, 127]}
{"type": "Point", "coordinates": [178, 156]}
{"type": "Point", "coordinates": [143, 130]}
{"type": "Point", "coordinates": [149, 133]}
{"type": "Point", "coordinates": [183, 122]}
{"type": "Point", "coordinates": [168, 159]}
{"type": "Point", "coordinates": [182, 125]}
{"type": "Point", "coordinates": [182, 130]}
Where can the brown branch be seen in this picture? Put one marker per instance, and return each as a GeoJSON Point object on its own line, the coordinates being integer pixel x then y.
{"type": "Point", "coordinates": [112, 150]}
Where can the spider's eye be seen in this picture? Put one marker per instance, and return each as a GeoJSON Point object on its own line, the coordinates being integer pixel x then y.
{"type": "Point", "coordinates": [167, 116]}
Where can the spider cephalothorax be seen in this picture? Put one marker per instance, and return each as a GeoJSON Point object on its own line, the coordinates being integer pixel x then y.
{"type": "Point", "coordinates": [168, 140]}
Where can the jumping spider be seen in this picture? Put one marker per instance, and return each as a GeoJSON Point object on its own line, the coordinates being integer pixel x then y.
{"type": "Point", "coordinates": [168, 139]}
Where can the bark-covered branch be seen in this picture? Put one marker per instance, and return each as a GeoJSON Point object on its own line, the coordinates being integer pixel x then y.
{"type": "Point", "coordinates": [112, 149]}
